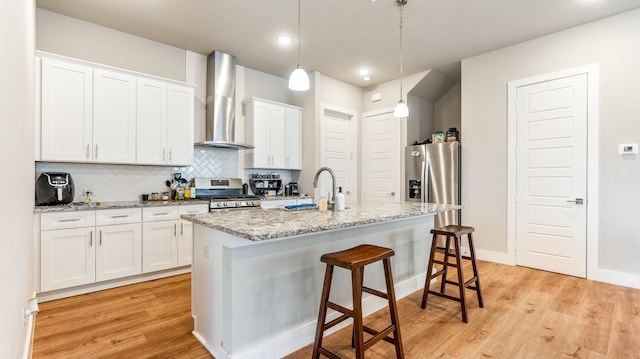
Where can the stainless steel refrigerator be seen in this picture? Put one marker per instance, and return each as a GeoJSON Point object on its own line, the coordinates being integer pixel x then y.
{"type": "Point", "coordinates": [432, 174]}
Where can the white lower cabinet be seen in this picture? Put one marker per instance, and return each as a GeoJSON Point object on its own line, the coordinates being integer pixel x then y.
{"type": "Point", "coordinates": [167, 240]}
{"type": "Point", "coordinates": [118, 251]}
{"type": "Point", "coordinates": [84, 247]}
{"type": "Point", "coordinates": [67, 258]}
{"type": "Point", "coordinates": [185, 233]}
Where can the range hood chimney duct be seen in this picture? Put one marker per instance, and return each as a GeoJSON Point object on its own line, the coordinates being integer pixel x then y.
{"type": "Point", "coordinates": [221, 102]}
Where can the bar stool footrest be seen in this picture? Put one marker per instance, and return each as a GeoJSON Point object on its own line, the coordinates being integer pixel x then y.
{"type": "Point", "coordinates": [375, 292]}
{"type": "Point", "coordinates": [327, 353]}
{"type": "Point", "coordinates": [378, 335]}
{"type": "Point", "coordinates": [447, 296]}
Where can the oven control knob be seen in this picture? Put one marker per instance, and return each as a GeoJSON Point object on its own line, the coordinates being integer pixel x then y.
{"type": "Point", "coordinates": [224, 204]}
{"type": "Point", "coordinates": [218, 204]}
{"type": "Point", "coordinates": [237, 204]}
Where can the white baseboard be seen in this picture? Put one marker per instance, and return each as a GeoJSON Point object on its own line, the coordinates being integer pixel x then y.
{"type": "Point", "coordinates": [94, 287]}
{"type": "Point", "coordinates": [30, 331]}
{"type": "Point", "coordinates": [614, 277]}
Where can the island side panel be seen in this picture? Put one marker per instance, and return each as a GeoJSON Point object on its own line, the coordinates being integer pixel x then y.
{"type": "Point", "coordinates": [264, 297]}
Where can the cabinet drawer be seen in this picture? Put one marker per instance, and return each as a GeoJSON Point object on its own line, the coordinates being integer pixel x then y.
{"type": "Point", "coordinates": [118, 216]}
{"type": "Point", "coordinates": [63, 220]}
{"type": "Point", "coordinates": [153, 214]}
{"type": "Point", "coordinates": [193, 209]}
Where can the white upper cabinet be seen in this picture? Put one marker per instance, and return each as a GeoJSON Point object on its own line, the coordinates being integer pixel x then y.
{"type": "Point", "coordinates": [293, 138]}
{"type": "Point", "coordinates": [274, 130]}
{"type": "Point", "coordinates": [66, 105]}
{"type": "Point", "coordinates": [114, 117]}
{"type": "Point", "coordinates": [180, 114]}
{"type": "Point", "coordinates": [152, 121]}
{"type": "Point", "coordinates": [90, 113]}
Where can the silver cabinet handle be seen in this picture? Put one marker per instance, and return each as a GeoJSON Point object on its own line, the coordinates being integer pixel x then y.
{"type": "Point", "coordinates": [95, 154]}
{"type": "Point", "coordinates": [163, 155]}
{"type": "Point", "coordinates": [120, 216]}
{"type": "Point", "coordinates": [576, 201]}
{"type": "Point", "coordinates": [182, 229]}
{"type": "Point", "coordinates": [100, 238]}
{"type": "Point", "coordinates": [175, 230]}
{"type": "Point", "coordinates": [88, 149]}
{"type": "Point", "coordinates": [91, 239]}
{"type": "Point", "coordinates": [170, 155]}
{"type": "Point", "coordinates": [161, 214]}
{"type": "Point", "coordinates": [69, 220]}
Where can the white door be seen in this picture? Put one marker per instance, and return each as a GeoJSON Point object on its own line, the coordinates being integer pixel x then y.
{"type": "Point", "coordinates": [118, 251]}
{"type": "Point", "coordinates": [381, 169]}
{"type": "Point", "coordinates": [293, 135]}
{"type": "Point", "coordinates": [114, 117]}
{"type": "Point", "coordinates": [159, 245]}
{"type": "Point", "coordinates": [151, 122]}
{"type": "Point", "coordinates": [67, 258]}
{"type": "Point", "coordinates": [66, 111]}
{"type": "Point", "coordinates": [337, 153]}
{"type": "Point", "coordinates": [551, 155]}
{"type": "Point", "coordinates": [180, 114]}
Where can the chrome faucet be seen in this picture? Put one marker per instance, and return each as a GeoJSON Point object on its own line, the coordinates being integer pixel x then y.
{"type": "Point", "coordinates": [333, 183]}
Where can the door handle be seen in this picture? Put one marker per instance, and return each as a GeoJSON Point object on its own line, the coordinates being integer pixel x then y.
{"type": "Point", "coordinates": [576, 201]}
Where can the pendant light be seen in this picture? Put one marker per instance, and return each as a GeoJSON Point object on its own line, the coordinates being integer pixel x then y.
{"type": "Point", "coordinates": [299, 80]}
{"type": "Point", "coordinates": [401, 109]}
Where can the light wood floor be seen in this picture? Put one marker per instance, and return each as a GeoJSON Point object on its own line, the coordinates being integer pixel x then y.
{"type": "Point", "coordinates": [527, 314]}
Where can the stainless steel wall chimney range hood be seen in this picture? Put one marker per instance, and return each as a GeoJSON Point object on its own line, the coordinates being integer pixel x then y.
{"type": "Point", "coordinates": [221, 102]}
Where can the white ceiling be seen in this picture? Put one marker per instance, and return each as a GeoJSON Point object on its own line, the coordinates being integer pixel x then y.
{"type": "Point", "coordinates": [340, 36]}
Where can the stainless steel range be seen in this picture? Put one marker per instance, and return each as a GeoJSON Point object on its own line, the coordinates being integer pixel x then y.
{"type": "Point", "coordinates": [224, 193]}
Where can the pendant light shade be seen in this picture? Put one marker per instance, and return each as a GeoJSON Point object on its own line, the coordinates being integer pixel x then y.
{"type": "Point", "coordinates": [299, 80]}
{"type": "Point", "coordinates": [401, 110]}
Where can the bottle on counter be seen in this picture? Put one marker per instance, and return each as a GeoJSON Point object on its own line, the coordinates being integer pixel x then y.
{"type": "Point", "coordinates": [340, 200]}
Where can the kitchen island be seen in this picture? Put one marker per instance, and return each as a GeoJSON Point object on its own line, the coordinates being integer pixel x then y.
{"type": "Point", "coordinates": [257, 275]}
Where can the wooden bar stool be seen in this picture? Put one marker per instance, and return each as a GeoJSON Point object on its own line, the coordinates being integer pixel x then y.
{"type": "Point", "coordinates": [453, 233]}
{"type": "Point", "coordinates": [355, 259]}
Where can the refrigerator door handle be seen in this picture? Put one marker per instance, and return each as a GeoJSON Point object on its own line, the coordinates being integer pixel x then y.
{"type": "Point", "coordinates": [423, 181]}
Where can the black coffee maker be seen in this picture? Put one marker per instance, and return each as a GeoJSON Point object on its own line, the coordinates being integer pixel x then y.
{"type": "Point", "coordinates": [53, 188]}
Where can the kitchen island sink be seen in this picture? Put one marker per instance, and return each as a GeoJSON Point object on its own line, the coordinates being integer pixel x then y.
{"type": "Point", "coordinates": [257, 275]}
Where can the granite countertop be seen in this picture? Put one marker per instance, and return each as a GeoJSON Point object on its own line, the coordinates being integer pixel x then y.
{"type": "Point", "coordinates": [263, 224]}
{"type": "Point", "coordinates": [113, 205]}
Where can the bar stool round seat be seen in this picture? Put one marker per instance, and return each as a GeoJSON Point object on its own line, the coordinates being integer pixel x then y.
{"type": "Point", "coordinates": [455, 234]}
{"type": "Point", "coordinates": [355, 260]}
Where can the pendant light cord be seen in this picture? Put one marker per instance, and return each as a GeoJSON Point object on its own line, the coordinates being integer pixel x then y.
{"type": "Point", "coordinates": [401, 6]}
{"type": "Point", "coordinates": [299, 40]}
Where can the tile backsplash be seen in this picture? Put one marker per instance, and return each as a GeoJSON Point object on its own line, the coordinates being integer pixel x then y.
{"type": "Point", "coordinates": [127, 182]}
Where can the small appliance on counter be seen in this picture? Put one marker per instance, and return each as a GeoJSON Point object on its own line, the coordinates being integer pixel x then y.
{"type": "Point", "coordinates": [293, 189]}
{"type": "Point", "coordinates": [54, 188]}
{"type": "Point", "coordinates": [266, 185]}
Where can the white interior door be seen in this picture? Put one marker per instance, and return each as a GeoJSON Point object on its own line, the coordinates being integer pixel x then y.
{"type": "Point", "coordinates": [551, 155]}
{"type": "Point", "coordinates": [337, 152]}
{"type": "Point", "coordinates": [381, 168]}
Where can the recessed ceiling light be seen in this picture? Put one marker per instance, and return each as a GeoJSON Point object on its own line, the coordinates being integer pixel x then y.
{"type": "Point", "coordinates": [284, 40]}
{"type": "Point", "coordinates": [367, 78]}
{"type": "Point", "coordinates": [363, 71]}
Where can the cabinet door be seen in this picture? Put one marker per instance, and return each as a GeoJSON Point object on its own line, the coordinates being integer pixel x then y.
{"type": "Point", "coordinates": [66, 125]}
{"type": "Point", "coordinates": [114, 117]}
{"type": "Point", "coordinates": [67, 258]}
{"type": "Point", "coordinates": [180, 107]}
{"type": "Point", "coordinates": [260, 135]}
{"type": "Point", "coordinates": [293, 144]}
{"type": "Point", "coordinates": [277, 136]}
{"type": "Point", "coordinates": [151, 122]}
{"type": "Point", "coordinates": [185, 242]}
{"type": "Point", "coordinates": [118, 251]}
{"type": "Point", "coordinates": [159, 245]}
{"type": "Point", "coordinates": [185, 233]}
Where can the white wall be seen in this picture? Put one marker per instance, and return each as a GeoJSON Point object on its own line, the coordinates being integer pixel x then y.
{"type": "Point", "coordinates": [611, 42]}
{"type": "Point", "coordinates": [447, 110]}
{"type": "Point", "coordinates": [17, 26]}
{"type": "Point", "coordinates": [71, 37]}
